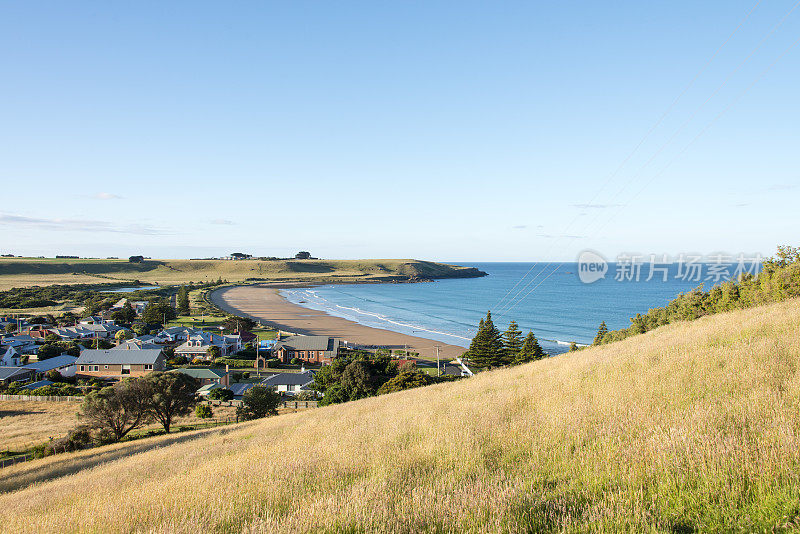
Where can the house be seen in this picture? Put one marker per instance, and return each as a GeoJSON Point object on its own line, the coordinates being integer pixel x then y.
{"type": "Point", "coordinates": [24, 344]}
{"type": "Point", "coordinates": [116, 364]}
{"type": "Point", "coordinates": [64, 364]}
{"type": "Point", "coordinates": [10, 357]}
{"type": "Point", "coordinates": [207, 376]}
{"type": "Point", "coordinates": [177, 334]}
{"type": "Point", "coordinates": [84, 331]}
{"type": "Point", "coordinates": [136, 344]}
{"type": "Point", "coordinates": [14, 374]}
{"type": "Point", "coordinates": [95, 320]}
{"type": "Point", "coordinates": [197, 345]}
{"type": "Point", "coordinates": [289, 383]}
{"type": "Point", "coordinates": [310, 349]}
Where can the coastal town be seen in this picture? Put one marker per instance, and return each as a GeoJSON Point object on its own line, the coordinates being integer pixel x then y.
{"type": "Point", "coordinates": [222, 353]}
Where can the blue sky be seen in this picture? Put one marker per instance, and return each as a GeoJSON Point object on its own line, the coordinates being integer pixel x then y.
{"type": "Point", "coordinates": [437, 130]}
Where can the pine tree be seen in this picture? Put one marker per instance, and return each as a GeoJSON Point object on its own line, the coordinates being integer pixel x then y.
{"type": "Point", "coordinates": [512, 342]}
{"type": "Point", "coordinates": [601, 333]}
{"type": "Point", "coordinates": [183, 301]}
{"type": "Point", "coordinates": [486, 349]}
{"type": "Point", "coordinates": [531, 350]}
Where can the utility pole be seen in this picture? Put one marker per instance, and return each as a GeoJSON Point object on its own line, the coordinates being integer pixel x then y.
{"type": "Point", "coordinates": [438, 369]}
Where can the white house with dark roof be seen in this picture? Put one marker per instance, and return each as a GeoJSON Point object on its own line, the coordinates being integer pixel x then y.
{"type": "Point", "coordinates": [197, 345]}
{"type": "Point", "coordinates": [289, 383]}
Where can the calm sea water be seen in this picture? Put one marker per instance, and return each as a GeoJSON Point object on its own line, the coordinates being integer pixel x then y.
{"type": "Point", "coordinates": [561, 308]}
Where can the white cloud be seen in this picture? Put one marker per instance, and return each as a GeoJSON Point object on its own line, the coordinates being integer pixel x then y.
{"type": "Point", "coordinates": [106, 196]}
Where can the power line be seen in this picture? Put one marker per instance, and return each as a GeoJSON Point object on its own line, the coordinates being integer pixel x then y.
{"type": "Point", "coordinates": [638, 145]}
{"type": "Point", "coordinates": [514, 300]}
{"type": "Point", "coordinates": [685, 148]}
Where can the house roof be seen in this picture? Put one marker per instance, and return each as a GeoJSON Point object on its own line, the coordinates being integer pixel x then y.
{"type": "Point", "coordinates": [240, 388]}
{"type": "Point", "coordinates": [39, 384]}
{"type": "Point", "coordinates": [288, 379]}
{"type": "Point", "coordinates": [110, 356]}
{"type": "Point", "coordinates": [134, 344]}
{"type": "Point", "coordinates": [207, 388]}
{"type": "Point", "coordinates": [309, 343]}
{"type": "Point", "coordinates": [10, 372]}
{"type": "Point", "coordinates": [56, 362]}
{"type": "Point", "coordinates": [203, 372]}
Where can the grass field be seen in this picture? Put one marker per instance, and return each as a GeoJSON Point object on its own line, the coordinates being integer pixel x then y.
{"type": "Point", "coordinates": [24, 424]}
{"type": "Point", "coordinates": [25, 272]}
{"type": "Point", "coordinates": [691, 427]}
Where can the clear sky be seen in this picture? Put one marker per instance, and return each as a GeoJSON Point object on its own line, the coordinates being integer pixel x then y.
{"type": "Point", "coordinates": [437, 130]}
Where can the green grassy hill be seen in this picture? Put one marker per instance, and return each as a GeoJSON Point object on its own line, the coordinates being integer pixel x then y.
{"type": "Point", "coordinates": [690, 427]}
{"type": "Point", "coordinates": [24, 272]}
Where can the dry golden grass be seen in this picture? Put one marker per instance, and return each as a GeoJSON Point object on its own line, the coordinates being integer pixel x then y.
{"type": "Point", "coordinates": [24, 272]}
{"type": "Point", "coordinates": [690, 427]}
{"type": "Point", "coordinates": [24, 424]}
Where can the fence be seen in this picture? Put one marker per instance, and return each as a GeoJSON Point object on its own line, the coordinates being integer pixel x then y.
{"type": "Point", "coordinates": [300, 404]}
{"type": "Point", "coordinates": [71, 398]}
{"type": "Point", "coordinates": [15, 460]}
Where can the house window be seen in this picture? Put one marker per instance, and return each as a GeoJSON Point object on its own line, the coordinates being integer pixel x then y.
{"type": "Point", "coordinates": [148, 367]}
{"type": "Point", "coordinates": [126, 369]}
{"type": "Point", "coordinates": [105, 367]}
{"type": "Point", "coordinates": [97, 368]}
{"type": "Point", "coordinates": [82, 368]}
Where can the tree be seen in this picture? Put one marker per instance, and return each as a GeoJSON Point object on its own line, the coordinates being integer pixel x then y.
{"type": "Point", "coordinates": [258, 402]}
{"type": "Point", "coordinates": [157, 312]}
{"type": "Point", "coordinates": [601, 333]}
{"type": "Point", "coordinates": [512, 342]}
{"type": "Point", "coordinates": [406, 379]}
{"type": "Point", "coordinates": [117, 409]}
{"type": "Point", "coordinates": [233, 323]}
{"type": "Point", "coordinates": [136, 259]}
{"type": "Point", "coordinates": [213, 352]}
{"type": "Point", "coordinates": [203, 411]}
{"type": "Point", "coordinates": [10, 328]}
{"type": "Point", "coordinates": [51, 350]}
{"type": "Point", "coordinates": [128, 313]}
{"type": "Point", "coordinates": [183, 300]}
{"type": "Point", "coordinates": [303, 255]}
{"type": "Point", "coordinates": [171, 395]}
{"type": "Point", "coordinates": [121, 335]}
{"type": "Point", "coordinates": [221, 394]}
{"type": "Point", "coordinates": [356, 380]}
{"type": "Point", "coordinates": [531, 350]}
{"type": "Point", "coordinates": [486, 349]}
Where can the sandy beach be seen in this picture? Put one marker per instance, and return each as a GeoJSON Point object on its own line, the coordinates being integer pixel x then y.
{"type": "Point", "coordinates": [265, 304]}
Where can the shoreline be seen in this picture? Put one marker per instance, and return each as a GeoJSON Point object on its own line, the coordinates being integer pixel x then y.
{"type": "Point", "coordinates": [264, 303]}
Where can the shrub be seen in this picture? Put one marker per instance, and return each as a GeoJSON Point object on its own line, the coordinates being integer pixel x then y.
{"type": "Point", "coordinates": [258, 402]}
{"type": "Point", "coordinates": [203, 411]}
{"type": "Point", "coordinates": [221, 394]}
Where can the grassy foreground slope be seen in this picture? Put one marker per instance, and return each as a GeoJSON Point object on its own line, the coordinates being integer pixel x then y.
{"type": "Point", "coordinates": [692, 426]}
{"type": "Point", "coordinates": [25, 272]}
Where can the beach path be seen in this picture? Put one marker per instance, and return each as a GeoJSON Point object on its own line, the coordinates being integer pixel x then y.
{"type": "Point", "coordinates": [265, 304]}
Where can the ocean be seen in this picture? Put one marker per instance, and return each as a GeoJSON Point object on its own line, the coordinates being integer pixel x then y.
{"type": "Point", "coordinates": [549, 299]}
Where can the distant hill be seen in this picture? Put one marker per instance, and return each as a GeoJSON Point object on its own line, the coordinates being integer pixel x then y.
{"type": "Point", "coordinates": [23, 272]}
{"type": "Point", "coordinates": [693, 426]}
